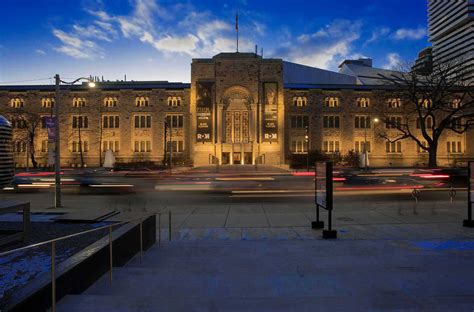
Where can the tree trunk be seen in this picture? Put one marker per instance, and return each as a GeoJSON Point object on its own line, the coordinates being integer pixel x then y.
{"type": "Point", "coordinates": [432, 156]}
{"type": "Point", "coordinates": [32, 152]}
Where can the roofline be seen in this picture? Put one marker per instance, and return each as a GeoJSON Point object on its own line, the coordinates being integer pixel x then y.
{"type": "Point", "coordinates": [102, 86]}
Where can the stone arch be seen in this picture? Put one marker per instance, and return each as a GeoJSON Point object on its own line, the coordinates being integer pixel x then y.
{"type": "Point", "coordinates": [237, 92]}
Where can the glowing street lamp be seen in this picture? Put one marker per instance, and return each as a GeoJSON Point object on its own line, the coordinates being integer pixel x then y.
{"type": "Point", "coordinates": [366, 155]}
{"type": "Point", "coordinates": [57, 144]}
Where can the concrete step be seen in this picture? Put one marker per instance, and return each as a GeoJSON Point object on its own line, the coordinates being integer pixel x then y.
{"type": "Point", "coordinates": [261, 304]}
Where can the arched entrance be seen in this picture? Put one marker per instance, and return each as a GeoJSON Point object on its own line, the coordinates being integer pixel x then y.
{"type": "Point", "coordinates": [237, 122]}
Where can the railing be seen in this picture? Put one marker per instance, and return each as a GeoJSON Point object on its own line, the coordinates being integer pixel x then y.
{"type": "Point", "coordinates": [109, 227]}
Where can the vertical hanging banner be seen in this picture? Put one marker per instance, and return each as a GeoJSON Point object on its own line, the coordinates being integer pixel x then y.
{"type": "Point", "coordinates": [50, 123]}
{"type": "Point", "coordinates": [270, 112]}
{"type": "Point", "coordinates": [204, 111]}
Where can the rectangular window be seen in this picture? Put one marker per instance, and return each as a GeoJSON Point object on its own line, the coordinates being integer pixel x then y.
{"type": "Point", "coordinates": [331, 122]}
{"type": "Point", "coordinates": [110, 145]}
{"type": "Point", "coordinates": [44, 146]}
{"type": "Point", "coordinates": [299, 121]}
{"type": "Point", "coordinates": [393, 147]}
{"type": "Point", "coordinates": [77, 146]}
{"type": "Point", "coordinates": [142, 146]}
{"type": "Point", "coordinates": [110, 122]}
{"type": "Point", "coordinates": [393, 122]}
{"type": "Point", "coordinates": [142, 121]}
{"type": "Point", "coordinates": [331, 146]}
{"type": "Point", "coordinates": [362, 122]}
{"type": "Point", "coordinates": [454, 147]}
{"type": "Point", "coordinates": [359, 146]}
{"type": "Point", "coordinates": [80, 122]}
{"type": "Point", "coordinates": [175, 121]}
{"type": "Point", "coordinates": [299, 146]}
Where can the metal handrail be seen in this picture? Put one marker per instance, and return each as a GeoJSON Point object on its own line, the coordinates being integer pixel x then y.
{"type": "Point", "coordinates": [110, 226]}
{"type": "Point", "coordinates": [73, 235]}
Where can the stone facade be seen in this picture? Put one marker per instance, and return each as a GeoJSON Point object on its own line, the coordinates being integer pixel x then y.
{"type": "Point", "coordinates": [236, 110]}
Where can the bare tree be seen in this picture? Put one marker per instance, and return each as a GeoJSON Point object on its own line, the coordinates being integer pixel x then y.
{"type": "Point", "coordinates": [431, 105]}
{"type": "Point", "coordinates": [27, 124]}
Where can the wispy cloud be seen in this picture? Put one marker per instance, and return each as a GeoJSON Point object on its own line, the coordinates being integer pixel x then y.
{"type": "Point", "coordinates": [40, 51]}
{"type": "Point", "coordinates": [378, 33]}
{"type": "Point", "coordinates": [326, 47]}
{"type": "Point", "coordinates": [410, 34]}
{"type": "Point", "coordinates": [76, 47]}
{"type": "Point", "coordinates": [393, 61]}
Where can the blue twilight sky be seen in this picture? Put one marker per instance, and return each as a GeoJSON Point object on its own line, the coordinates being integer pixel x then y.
{"type": "Point", "coordinates": [156, 39]}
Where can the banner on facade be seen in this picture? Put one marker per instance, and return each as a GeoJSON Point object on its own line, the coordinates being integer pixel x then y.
{"type": "Point", "coordinates": [204, 112]}
{"type": "Point", "coordinates": [270, 112]}
{"type": "Point", "coordinates": [50, 123]}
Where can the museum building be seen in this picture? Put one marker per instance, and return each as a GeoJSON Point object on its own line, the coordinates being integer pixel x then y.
{"type": "Point", "coordinates": [239, 108]}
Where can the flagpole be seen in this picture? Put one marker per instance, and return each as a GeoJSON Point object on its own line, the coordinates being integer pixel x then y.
{"type": "Point", "coordinates": [237, 29]}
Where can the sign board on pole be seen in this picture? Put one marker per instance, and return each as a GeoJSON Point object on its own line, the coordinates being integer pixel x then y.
{"type": "Point", "coordinates": [323, 185]}
{"type": "Point", "coordinates": [469, 222]}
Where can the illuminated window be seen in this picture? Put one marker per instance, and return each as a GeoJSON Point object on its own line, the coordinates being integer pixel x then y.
{"type": "Point", "coordinates": [110, 102]}
{"type": "Point", "coordinates": [110, 122]}
{"type": "Point", "coordinates": [18, 123]}
{"type": "Point", "coordinates": [300, 101]}
{"type": "Point", "coordinates": [47, 102]}
{"type": "Point", "coordinates": [19, 146]}
{"type": "Point", "coordinates": [142, 101]}
{"type": "Point", "coordinates": [331, 122]}
{"type": "Point", "coordinates": [299, 146]}
{"type": "Point", "coordinates": [299, 121]}
{"type": "Point", "coordinates": [421, 149]}
{"type": "Point", "coordinates": [142, 147]}
{"type": "Point", "coordinates": [80, 122]}
{"type": "Point", "coordinates": [456, 124]}
{"type": "Point", "coordinates": [17, 102]}
{"type": "Point", "coordinates": [331, 146]}
{"type": "Point", "coordinates": [456, 103]}
{"type": "Point", "coordinates": [177, 146]}
{"type": "Point", "coordinates": [393, 122]}
{"type": "Point", "coordinates": [174, 121]}
{"type": "Point", "coordinates": [425, 103]}
{"type": "Point", "coordinates": [44, 146]}
{"type": "Point", "coordinates": [112, 145]}
{"type": "Point", "coordinates": [428, 122]}
{"type": "Point", "coordinates": [454, 147]}
{"type": "Point", "coordinates": [142, 121]}
{"type": "Point", "coordinates": [174, 101]}
{"type": "Point", "coordinates": [78, 102]}
{"type": "Point", "coordinates": [331, 102]}
{"type": "Point", "coordinates": [394, 103]}
{"type": "Point", "coordinates": [359, 146]}
{"type": "Point", "coordinates": [78, 146]}
{"type": "Point", "coordinates": [363, 102]}
{"type": "Point", "coordinates": [361, 122]}
{"type": "Point", "coordinates": [393, 147]}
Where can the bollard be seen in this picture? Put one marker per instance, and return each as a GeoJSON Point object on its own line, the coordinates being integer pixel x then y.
{"type": "Point", "coordinates": [169, 217]}
{"type": "Point", "coordinates": [415, 194]}
{"type": "Point", "coordinates": [452, 194]}
{"type": "Point", "coordinates": [159, 229]}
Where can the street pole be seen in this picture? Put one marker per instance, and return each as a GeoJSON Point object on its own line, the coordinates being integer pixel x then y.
{"type": "Point", "coordinates": [306, 139]}
{"type": "Point", "coordinates": [365, 146]}
{"type": "Point", "coordinates": [171, 145]}
{"type": "Point", "coordinates": [57, 148]}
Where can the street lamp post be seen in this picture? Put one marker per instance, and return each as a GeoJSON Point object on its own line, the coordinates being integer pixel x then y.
{"type": "Point", "coordinates": [366, 155]}
{"type": "Point", "coordinates": [306, 141]}
{"type": "Point", "coordinates": [57, 144]}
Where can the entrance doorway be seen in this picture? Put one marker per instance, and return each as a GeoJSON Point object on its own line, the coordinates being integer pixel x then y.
{"type": "Point", "coordinates": [237, 158]}
{"type": "Point", "coordinates": [248, 158]}
{"type": "Point", "coordinates": [225, 158]}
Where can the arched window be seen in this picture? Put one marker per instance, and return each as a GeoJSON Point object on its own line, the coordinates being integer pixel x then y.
{"type": "Point", "coordinates": [47, 102]}
{"type": "Point", "coordinates": [174, 101]}
{"type": "Point", "coordinates": [141, 101]}
{"type": "Point", "coordinates": [17, 102]}
{"type": "Point", "coordinates": [299, 101]}
{"type": "Point", "coordinates": [331, 102]}
{"type": "Point", "coordinates": [456, 103]}
{"type": "Point", "coordinates": [394, 103]}
{"type": "Point", "coordinates": [79, 102]}
{"type": "Point", "coordinates": [363, 102]}
{"type": "Point", "coordinates": [110, 102]}
{"type": "Point", "coordinates": [425, 103]}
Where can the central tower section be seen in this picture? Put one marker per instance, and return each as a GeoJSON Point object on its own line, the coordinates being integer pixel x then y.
{"type": "Point", "coordinates": [237, 110]}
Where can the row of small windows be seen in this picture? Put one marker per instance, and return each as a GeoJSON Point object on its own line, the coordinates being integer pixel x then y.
{"type": "Point", "coordinates": [79, 146]}
{"type": "Point", "coordinates": [300, 101]}
{"type": "Point", "coordinates": [114, 146]}
{"type": "Point", "coordinates": [80, 122]}
{"type": "Point", "coordinates": [108, 102]}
